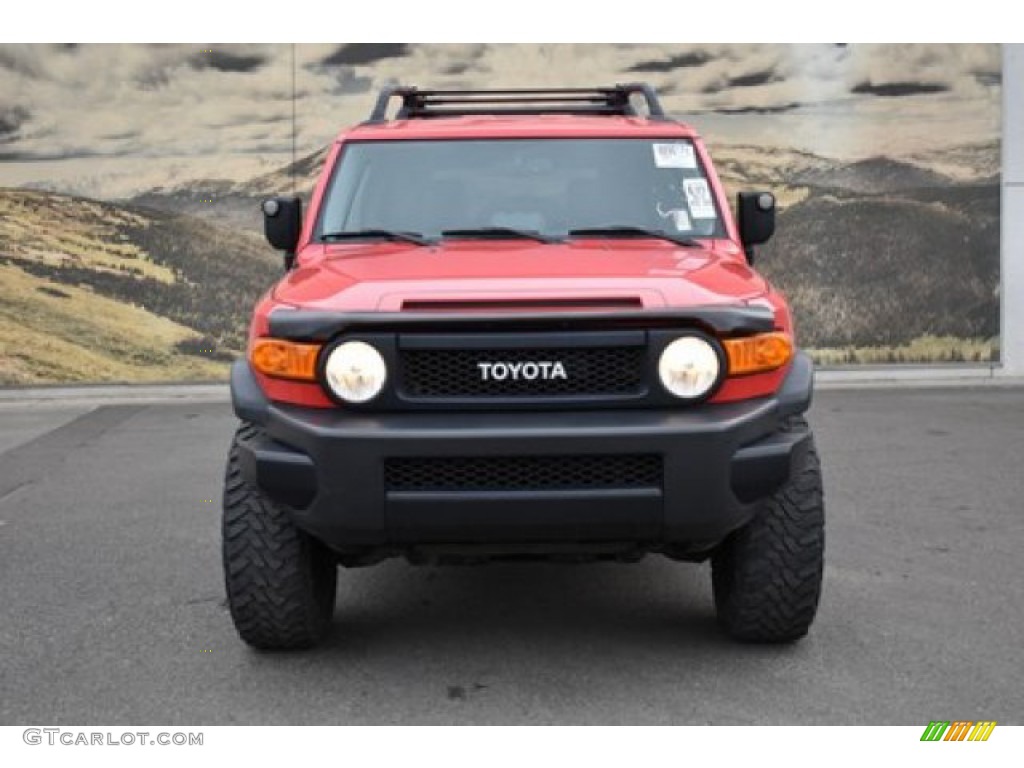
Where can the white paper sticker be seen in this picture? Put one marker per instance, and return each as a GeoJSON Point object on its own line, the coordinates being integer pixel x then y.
{"type": "Point", "coordinates": [678, 216]}
{"type": "Point", "coordinates": [674, 156]}
{"type": "Point", "coordinates": [698, 197]}
{"type": "Point", "coordinates": [682, 221]}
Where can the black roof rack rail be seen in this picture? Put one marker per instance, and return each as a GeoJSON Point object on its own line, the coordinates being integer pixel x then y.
{"type": "Point", "coordinates": [425, 103]}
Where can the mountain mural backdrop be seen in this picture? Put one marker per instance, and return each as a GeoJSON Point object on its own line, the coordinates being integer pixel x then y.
{"type": "Point", "coordinates": [130, 243]}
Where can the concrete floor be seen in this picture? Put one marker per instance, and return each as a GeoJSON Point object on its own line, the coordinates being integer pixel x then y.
{"type": "Point", "coordinates": [112, 596]}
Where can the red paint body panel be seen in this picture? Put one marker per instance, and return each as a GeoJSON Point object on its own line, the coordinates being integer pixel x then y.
{"type": "Point", "coordinates": [378, 276]}
{"type": "Point", "coordinates": [381, 276]}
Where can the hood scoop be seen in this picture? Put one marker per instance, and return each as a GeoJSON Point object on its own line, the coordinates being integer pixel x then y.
{"type": "Point", "coordinates": [596, 304]}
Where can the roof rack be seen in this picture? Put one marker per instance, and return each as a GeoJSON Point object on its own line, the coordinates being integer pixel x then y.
{"type": "Point", "coordinates": [612, 100]}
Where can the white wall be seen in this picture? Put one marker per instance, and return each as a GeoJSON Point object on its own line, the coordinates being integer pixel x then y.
{"type": "Point", "coordinates": [1012, 271]}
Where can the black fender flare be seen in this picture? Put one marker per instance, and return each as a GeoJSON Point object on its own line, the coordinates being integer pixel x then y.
{"type": "Point", "coordinates": [797, 390]}
{"type": "Point", "coordinates": [247, 399]}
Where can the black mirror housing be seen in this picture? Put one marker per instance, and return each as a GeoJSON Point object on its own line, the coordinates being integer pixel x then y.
{"type": "Point", "coordinates": [282, 224]}
{"type": "Point", "coordinates": [756, 219]}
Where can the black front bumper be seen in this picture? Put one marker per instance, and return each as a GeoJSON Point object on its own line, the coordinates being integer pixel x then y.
{"type": "Point", "coordinates": [328, 468]}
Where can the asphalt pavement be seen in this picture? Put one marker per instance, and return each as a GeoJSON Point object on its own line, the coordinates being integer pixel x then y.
{"type": "Point", "coordinates": [112, 603]}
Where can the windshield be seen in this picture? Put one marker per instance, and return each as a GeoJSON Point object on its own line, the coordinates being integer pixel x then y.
{"type": "Point", "coordinates": [544, 186]}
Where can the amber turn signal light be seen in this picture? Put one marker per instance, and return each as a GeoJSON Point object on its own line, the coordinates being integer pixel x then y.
{"type": "Point", "coordinates": [755, 354]}
{"type": "Point", "coordinates": [284, 359]}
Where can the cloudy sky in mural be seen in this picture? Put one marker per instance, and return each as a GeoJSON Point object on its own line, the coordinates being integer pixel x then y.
{"type": "Point", "coordinates": [226, 111]}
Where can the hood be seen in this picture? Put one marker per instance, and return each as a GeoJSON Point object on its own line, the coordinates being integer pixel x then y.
{"type": "Point", "coordinates": [390, 277]}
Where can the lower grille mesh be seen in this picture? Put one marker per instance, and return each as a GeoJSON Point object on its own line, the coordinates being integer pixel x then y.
{"type": "Point", "coordinates": [523, 473]}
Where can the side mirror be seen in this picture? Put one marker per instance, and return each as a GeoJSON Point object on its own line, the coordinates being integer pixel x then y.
{"type": "Point", "coordinates": [282, 224]}
{"type": "Point", "coordinates": [756, 219]}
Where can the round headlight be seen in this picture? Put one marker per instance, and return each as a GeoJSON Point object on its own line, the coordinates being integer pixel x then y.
{"type": "Point", "coordinates": [689, 367]}
{"type": "Point", "coordinates": [355, 371]}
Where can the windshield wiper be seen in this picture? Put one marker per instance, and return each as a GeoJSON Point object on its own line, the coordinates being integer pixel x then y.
{"type": "Point", "coordinates": [500, 233]}
{"type": "Point", "coordinates": [378, 234]}
{"type": "Point", "coordinates": [625, 231]}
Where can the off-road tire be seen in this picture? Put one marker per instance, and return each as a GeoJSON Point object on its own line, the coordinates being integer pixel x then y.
{"type": "Point", "coordinates": [280, 582]}
{"type": "Point", "coordinates": [767, 575]}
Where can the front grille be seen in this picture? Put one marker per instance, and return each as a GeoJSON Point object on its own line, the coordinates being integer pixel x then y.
{"type": "Point", "coordinates": [524, 473]}
{"type": "Point", "coordinates": [440, 373]}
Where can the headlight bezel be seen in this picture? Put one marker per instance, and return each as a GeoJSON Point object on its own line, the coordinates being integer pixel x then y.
{"type": "Point", "coordinates": [721, 374]}
{"type": "Point", "coordinates": [325, 379]}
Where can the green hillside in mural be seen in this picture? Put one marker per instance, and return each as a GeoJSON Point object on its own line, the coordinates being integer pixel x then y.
{"type": "Point", "coordinates": [883, 260]}
{"type": "Point", "coordinates": [92, 291]}
{"type": "Point", "coordinates": [889, 260]}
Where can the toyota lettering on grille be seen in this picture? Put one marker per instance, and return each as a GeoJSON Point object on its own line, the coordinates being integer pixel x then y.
{"type": "Point", "coordinates": [545, 370]}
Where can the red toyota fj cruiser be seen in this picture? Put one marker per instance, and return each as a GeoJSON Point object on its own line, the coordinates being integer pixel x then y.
{"type": "Point", "coordinates": [521, 324]}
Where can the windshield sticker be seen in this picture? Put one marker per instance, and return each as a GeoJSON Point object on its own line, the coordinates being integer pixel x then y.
{"type": "Point", "coordinates": [674, 156]}
{"type": "Point", "coordinates": [678, 216]}
{"type": "Point", "coordinates": [698, 197]}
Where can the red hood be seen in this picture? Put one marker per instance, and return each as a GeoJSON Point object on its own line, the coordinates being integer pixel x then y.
{"type": "Point", "coordinates": [382, 276]}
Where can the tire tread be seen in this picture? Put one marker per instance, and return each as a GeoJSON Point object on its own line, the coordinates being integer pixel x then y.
{"type": "Point", "coordinates": [767, 576]}
{"type": "Point", "coordinates": [280, 582]}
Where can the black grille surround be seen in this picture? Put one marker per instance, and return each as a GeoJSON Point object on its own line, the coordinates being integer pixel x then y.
{"type": "Point", "coordinates": [545, 369]}
{"type": "Point", "coordinates": [586, 371]}
{"type": "Point", "coordinates": [523, 473]}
